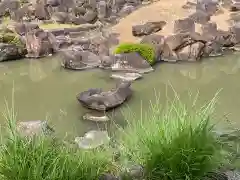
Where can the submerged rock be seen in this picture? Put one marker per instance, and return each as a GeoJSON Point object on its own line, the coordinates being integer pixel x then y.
{"type": "Point", "coordinates": [31, 128]}
{"type": "Point", "coordinates": [99, 100]}
{"type": "Point", "coordinates": [92, 139]}
{"type": "Point", "coordinates": [127, 76]}
{"type": "Point", "coordinates": [96, 118]}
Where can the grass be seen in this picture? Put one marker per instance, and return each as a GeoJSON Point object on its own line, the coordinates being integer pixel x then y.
{"type": "Point", "coordinates": [173, 143]}
{"type": "Point", "coordinates": [145, 50]}
{"type": "Point", "coordinates": [43, 158]}
{"type": "Point", "coordinates": [176, 142]}
{"type": "Point", "coordinates": [56, 25]}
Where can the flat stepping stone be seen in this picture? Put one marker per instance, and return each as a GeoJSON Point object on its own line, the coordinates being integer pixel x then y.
{"type": "Point", "coordinates": [127, 76]}
{"type": "Point", "coordinates": [96, 117]}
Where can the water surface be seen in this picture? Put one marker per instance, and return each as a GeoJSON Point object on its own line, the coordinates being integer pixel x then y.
{"type": "Point", "coordinates": [43, 90]}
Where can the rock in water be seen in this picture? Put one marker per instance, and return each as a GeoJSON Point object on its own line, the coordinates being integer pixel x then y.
{"type": "Point", "coordinates": [127, 76]}
{"type": "Point", "coordinates": [96, 118]}
{"type": "Point", "coordinates": [102, 101]}
{"type": "Point", "coordinates": [131, 62]}
{"type": "Point", "coordinates": [11, 52]}
{"type": "Point", "coordinates": [92, 139]}
{"type": "Point", "coordinates": [31, 128]}
{"type": "Point", "coordinates": [80, 60]}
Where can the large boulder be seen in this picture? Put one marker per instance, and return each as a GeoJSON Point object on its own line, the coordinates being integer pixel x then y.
{"type": "Point", "coordinates": [80, 60]}
{"type": "Point", "coordinates": [131, 62]}
{"type": "Point", "coordinates": [208, 6]}
{"type": "Point", "coordinates": [99, 100]}
{"type": "Point", "coordinates": [9, 6]}
{"type": "Point", "coordinates": [40, 43]}
{"type": "Point", "coordinates": [147, 28]}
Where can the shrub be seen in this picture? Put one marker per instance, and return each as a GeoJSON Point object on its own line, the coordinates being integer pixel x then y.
{"type": "Point", "coordinates": [43, 158]}
{"type": "Point", "coordinates": [145, 50]}
{"type": "Point", "coordinates": [172, 143]}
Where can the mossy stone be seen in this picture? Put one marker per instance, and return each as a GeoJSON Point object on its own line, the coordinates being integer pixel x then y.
{"type": "Point", "coordinates": [145, 50]}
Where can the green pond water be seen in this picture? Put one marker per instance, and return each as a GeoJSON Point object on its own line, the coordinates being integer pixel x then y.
{"type": "Point", "coordinates": [43, 90]}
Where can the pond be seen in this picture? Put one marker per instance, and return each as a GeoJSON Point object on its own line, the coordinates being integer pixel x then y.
{"type": "Point", "coordinates": [43, 90]}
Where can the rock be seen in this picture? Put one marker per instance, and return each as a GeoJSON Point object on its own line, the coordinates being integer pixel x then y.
{"type": "Point", "coordinates": [102, 101]}
{"type": "Point", "coordinates": [148, 28]}
{"type": "Point", "coordinates": [232, 175]}
{"type": "Point", "coordinates": [8, 6]}
{"type": "Point", "coordinates": [157, 41]}
{"type": "Point", "coordinates": [96, 118]}
{"type": "Point", "coordinates": [60, 17]}
{"type": "Point", "coordinates": [131, 62]}
{"type": "Point", "coordinates": [210, 7]}
{"type": "Point", "coordinates": [235, 5]}
{"type": "Point", "coordinates": [92, 139]}
{"type": "Point", "coordinates": [90, 16]}
{"type": "Point", "coordinates": [39, 43]}
{"type": "Point", "coordinates": [235, 29]}
{"type": "Point", "coordinates": [212, 49]}
{"type": "Point", "coordinates": [10, 52]}
{"type": "Point", "coordinates": [79, 11]}
{"type": "Point", "coordinates": [102, 9]}
{"type": "Point", "coordinates": [210, 27]}
{"type": "Point", "coordinates": [184, 25]}
{"type": "Point", "coordinates": [127, 76]}
{"type": "Point", "coordinates": [133, 171]}
{"type": "Point", "coordinates": [200, 17]}
{"type": "Point", "coordinates": [41, 11]}
{"type": "Point", "coordinates": [182, 46]}
{"type": "Point", "coordinates": [192, 52]}
{"type": "Point", "coordinates": [216, 175]}
{"type": "Point", "coordinates": [53, 3]}
{"type": "Point", "coordinates": [80, 60]}
{"type": "Point", "coordinates": [23, 28]}
{"type": "Point", "coordinates": [31, 128]}
{"type": "Point", "coordinates": [126, 10]}
{"type": "Point", "coordinates": [78, 20]}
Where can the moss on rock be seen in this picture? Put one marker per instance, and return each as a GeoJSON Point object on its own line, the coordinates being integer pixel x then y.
{"type": "Point", "coordinates": [145, 50]}
{"type": "Point", "coordinates": [11, 38]}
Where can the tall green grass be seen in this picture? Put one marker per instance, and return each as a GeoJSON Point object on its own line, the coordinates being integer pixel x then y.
{"type": "Point", "coordinates": [43, 158]}
{"type": "Point", "coordinates": [173, 143]}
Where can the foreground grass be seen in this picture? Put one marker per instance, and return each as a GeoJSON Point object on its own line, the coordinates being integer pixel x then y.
{"type": "Point", "coordinates": [42, 158]}
{"type": "Point", "coordinates": [172, 143]}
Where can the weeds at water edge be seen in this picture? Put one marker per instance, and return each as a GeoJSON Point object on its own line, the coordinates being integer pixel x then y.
{"type": "Point", "coordinates": [43, 158]}
{"type": "Point", "coordinates": [173, 143]}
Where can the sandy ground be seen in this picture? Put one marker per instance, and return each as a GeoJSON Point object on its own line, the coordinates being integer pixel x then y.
{"type": "Point", "coordinates": [167, 10]}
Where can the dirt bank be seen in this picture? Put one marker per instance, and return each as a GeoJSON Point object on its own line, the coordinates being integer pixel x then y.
{"type": "Point", "coordinates": [167, 10]}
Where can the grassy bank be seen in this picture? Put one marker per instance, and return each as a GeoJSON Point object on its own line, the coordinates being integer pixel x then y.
{"type": "Point", "coordinates": [171, 143]}
{"type": "Point", "coordinates": [174, 142]}
{"type": "Point", "coordinates": [45, 158]}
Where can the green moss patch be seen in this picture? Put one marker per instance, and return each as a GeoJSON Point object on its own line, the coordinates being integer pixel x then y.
{"type": "Point", "coordinates": [56, 25]}
{"type": "Point", "coordinates": [10, 38]}
{"type": "Point", "coordinates": [145, 50]}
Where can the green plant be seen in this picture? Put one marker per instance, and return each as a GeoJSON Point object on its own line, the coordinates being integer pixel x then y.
{"type": "Point", "coordinates": [11, 38]}
{"type": "Point", "coordinates": [174, 143]}
{"type": "Point", "coordinates": [44, 158]}
{"type": "Point", "coordinates": [145, 50]}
